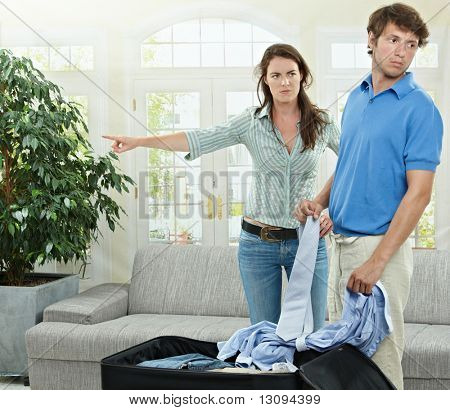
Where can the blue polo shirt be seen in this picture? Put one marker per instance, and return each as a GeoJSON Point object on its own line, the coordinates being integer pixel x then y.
{"type": "Point", "coordinates": [382, 137]}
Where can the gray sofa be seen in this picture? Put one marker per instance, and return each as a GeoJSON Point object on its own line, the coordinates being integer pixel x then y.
{"type": "Point", "coordinates": [195, 291]}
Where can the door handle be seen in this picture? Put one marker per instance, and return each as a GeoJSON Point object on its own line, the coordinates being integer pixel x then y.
{"type": "Point", "coordinates": [219, 207]}
{"type": "Point", "coordinates": [210, 206]}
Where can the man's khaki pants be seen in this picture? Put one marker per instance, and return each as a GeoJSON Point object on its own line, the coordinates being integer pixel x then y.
{"type": "Point", "coordinates": [349, 253]}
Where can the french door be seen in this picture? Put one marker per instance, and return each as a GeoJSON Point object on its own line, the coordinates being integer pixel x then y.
{"type": "Point", "coordinates": [200, 201]}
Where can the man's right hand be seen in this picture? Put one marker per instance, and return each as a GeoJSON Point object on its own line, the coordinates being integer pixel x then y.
{"type": "Point", "coordinates": [307, 208]}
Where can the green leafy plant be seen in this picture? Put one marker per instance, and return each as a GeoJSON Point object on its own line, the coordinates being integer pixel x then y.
{"type": "Point", "coordinates": [53, 188]}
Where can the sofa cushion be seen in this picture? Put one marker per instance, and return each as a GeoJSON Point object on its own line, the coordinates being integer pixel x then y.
{"type": "Point", "coordinates": [427, 351]}
{"type": "Point", "coordinates": [187, 280]}
{"type": "Point", "coordinates": [66, 341]}
{"type": "Point", "coordinates": [429, 300]}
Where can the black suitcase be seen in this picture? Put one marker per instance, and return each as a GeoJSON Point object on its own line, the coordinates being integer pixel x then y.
{"type": "Point", "coordinates": [343, 368]}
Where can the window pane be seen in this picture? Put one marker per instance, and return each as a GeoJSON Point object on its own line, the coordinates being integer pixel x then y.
{"type": "Point", "coordinates": [158, 55]}
{"type": "Point", "coordinates": [187, 32]}
{"type": "Point", "coordinates": [173, 188]}
{"type": "Point", "coordinates": [264, 36]}
{"type": "Point", "coordinates": [212, 30]}
{"type": "Point", "coordinates": [168, 223]}
{"type": "Point", "coordinates": [258, 51]}
{"type": "Point", "coordinates": [19, 51]}
{"type": "Point", "coordinates": [188, 227]}
{"type": "Point", "coordinates": [203, 43]}
{"type": "Point", "coordinates": [39, 56]}
{"type": "Point", "coordinates": [237, 31]}
{"type": "Point", "coordinates": [239, 166]}
{"type": "Point", "coordinates": [425, 232]}
{"type": "Point", "coordinates": [362, 59]}
{"type": "Point", "coordinates": [187, 110]}
{"type": "Point", "coordinates": [162, 36]}
{"type": "Point", "coordinates": [160, 159]}
{"type": "Point", "coordinates": [60, 59]}
{"type": "Point", "coordinates": [342, 97]}
{"type": "Point", "coordinates": [186, 55]}
{"type": "Point", "coordinates": [342, 55]}
{"type": "Point", "coordinates": [213, 55]}
{"type": "Point", "coordinates": [83, 57]}
{"type": "Point", "coordinates": [427, 57]}
{"type": "Point", "coordinates": [238, 55]}
{"type": "Point", "coordinates": [159, 111]}
{"type": "Point", "coordinates": [161, 222]}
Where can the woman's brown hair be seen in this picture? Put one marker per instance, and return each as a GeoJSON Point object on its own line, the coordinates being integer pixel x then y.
{"type": "Point", "coordinates": [313, 119]}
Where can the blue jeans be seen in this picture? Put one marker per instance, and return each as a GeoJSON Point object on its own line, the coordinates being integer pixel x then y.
{"type": "Point", "coordinates": [190, 361]}
{"type": "Point", "coordinates": [260, 265]}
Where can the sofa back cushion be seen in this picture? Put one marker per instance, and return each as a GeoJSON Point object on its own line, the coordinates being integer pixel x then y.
{"type": "Point", "coordinates": [188, 280]}
{"type": "Point", "coordinates": [429, 300]}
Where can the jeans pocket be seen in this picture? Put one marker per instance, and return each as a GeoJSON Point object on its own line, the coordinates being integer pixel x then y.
{"type": "Point", "coordinates": [249, 237]}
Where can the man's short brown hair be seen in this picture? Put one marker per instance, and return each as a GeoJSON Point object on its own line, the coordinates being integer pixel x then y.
{"type": "Point", "coordinates": [403, 16]}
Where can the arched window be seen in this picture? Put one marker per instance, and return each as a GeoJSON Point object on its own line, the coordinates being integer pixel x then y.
{"type": "Point", "coordinates": [206, 42]}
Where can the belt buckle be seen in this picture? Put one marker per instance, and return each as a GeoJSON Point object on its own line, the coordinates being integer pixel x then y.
{"type": "Point", "coordinates": [265, 231]}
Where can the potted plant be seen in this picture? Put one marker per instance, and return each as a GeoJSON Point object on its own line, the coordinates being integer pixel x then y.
{"type": "Point", "coordinates": [53, 192]}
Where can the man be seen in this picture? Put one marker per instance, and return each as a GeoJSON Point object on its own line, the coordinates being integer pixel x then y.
{"type": "Point", "coordinates": [389, 149]}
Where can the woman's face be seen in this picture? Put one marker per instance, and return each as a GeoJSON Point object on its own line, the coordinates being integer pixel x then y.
{"type": "Point", "coordinates": [283, 79]}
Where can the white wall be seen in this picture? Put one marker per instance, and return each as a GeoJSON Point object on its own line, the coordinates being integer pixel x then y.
{"type": "Point", "coordinates": [113, 24]}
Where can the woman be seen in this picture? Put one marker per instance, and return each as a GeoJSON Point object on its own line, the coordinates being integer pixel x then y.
{"type": "Point", "coordinates": [285, 136]}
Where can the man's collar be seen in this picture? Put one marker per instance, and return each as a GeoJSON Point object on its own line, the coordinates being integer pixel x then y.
{"type": "Point", "coordinates": [401, 87]}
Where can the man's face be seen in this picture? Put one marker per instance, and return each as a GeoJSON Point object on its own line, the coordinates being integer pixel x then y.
{"type": "Point", "coordinates": [394, 50]}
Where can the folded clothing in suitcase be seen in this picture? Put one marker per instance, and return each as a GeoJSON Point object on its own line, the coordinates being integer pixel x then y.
{"type": "Point", "coordinates": [344, 367]}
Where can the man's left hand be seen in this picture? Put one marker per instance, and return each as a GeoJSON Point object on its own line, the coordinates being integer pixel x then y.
{"type": "Point", "coordinates": [363, 278]}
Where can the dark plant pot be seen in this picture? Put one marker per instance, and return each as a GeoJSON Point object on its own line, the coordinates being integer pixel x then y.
{"type": "Point", "coordinates": [22, 308]}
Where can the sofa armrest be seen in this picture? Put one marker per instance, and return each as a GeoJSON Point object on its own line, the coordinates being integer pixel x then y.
{"type": "Point", "coordinates": [99, 304]}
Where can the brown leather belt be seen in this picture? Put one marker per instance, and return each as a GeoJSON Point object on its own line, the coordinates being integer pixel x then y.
{"type": "Point", "coordinates": [270, 233]}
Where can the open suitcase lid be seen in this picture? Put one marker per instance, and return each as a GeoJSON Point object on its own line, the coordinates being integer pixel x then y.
{"type": "Point", "coordinates": [344, 368]}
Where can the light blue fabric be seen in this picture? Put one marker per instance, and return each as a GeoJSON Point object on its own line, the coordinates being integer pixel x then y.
{"type": "Point", "coordinates": [296, 313]}
{"type": "Point", "coordinates": [365, 322]}
{"type": "Point", "coordinates": [191, 361]}
{"type": "Point", "coordinates": [383, 137]}
{"type": "Point", "coordinates": [260, 265]}
{"type": "Point", "coordinates": [259, 346]}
